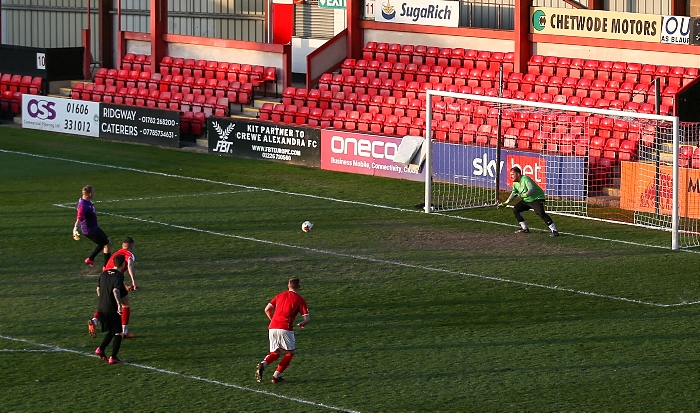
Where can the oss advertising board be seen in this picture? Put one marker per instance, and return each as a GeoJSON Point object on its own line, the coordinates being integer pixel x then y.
{"type": "Point", "coordinates": [76, 117]}
{"type": "Point", "coordinates": [80, 117]}
{"type": "Point", "coordinates": [263, 140]}
{"type": "Point", "coordinates": [363, 154]}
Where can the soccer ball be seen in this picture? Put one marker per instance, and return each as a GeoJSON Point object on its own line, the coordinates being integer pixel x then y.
{"type": "Point", "coordinates": [307, 226]}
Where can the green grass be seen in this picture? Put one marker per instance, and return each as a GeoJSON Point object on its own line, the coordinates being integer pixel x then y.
{"type": "Point", "coordinates": [410, 312]}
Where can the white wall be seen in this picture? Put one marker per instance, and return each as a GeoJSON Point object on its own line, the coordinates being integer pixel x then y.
{"type": "Point", "coordinates": [621, 55]}
{"type": "Point", "coordinates": [221, 54]}
{"type": "Point", "coordinates": [300, 49]}
{"type": "Point", "coordinates": [477, 43]}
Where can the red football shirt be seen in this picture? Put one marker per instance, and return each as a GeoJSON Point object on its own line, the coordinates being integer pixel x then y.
{"type": "Point", "coordinates": [124, 252]}
{"type": "Point", "coordinates": [287, 305]}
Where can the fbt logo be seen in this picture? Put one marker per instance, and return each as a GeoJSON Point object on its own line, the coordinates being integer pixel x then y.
{"type": "Point", "coordinates": [41, 109]}
{"type": "Point", "coordinates": [365, 148]}
{"type": "Point", "coordinates": [223, 145]}
{"type": "Point", "coordinates": [534, 167]}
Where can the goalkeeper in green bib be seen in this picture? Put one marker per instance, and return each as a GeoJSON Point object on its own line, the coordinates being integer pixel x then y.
{"type": "Point", "coordinates": [532, 198]}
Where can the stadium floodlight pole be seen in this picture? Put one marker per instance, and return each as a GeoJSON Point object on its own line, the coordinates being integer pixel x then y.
{"type": "Point", "coordinates": [428, 152]}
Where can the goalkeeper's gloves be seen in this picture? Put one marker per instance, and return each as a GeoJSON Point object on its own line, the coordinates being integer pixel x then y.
{"type": "Point", "coordinates": [501, 205]}
{"type": "Point", "coordinates": [76, 234]}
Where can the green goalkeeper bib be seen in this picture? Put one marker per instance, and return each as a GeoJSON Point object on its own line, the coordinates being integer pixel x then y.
{"type": "Point", "coordinates": [522, 187]}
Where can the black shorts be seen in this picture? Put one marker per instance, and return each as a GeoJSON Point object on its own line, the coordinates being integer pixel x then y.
{"type": "Point", "coordinates": [98, 237]}
{"type": "Point", "coordinates": [110, 322]}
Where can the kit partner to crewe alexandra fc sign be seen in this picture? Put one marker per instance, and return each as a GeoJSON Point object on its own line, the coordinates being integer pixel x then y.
{"type": "Point", "coordinates": [263, 140]}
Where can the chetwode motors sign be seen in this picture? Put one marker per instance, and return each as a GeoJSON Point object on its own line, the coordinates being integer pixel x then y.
{"type": "Point", "coordinates": [596, 24]}
{"type": "Point", "coordinates": [264, 140]}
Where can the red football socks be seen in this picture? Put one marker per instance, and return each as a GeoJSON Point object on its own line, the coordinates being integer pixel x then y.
{"type": "Point", "coordinates": [285, 362]}
{"type": "Point", "coordinates": [126, 313]}
{"type": "Point", "coordinates": [271, 358]}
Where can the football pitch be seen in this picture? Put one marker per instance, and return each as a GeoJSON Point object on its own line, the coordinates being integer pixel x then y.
{"type": "Point", "coordinates": [410, 312]}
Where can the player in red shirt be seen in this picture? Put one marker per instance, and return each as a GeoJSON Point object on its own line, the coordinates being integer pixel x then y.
{"type": "Point", "coordinates": [129, 258]}
{"type": "Point", "coordinates": [282, 310]}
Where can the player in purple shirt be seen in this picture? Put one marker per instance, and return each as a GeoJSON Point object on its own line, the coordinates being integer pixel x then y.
{"type": "Point", "coordinates": [87, 219]}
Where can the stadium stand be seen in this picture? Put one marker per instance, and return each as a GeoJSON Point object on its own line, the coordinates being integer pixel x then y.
{"type": "Point", "coordinates": [12, 87]}
{"type": "Point", "coordinates": [186, 85]}
{"type": "Point", "coordinates": [384, 93]}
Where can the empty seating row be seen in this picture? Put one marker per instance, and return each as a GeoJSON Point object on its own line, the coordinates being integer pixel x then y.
{"type": "Point", "coordinates": [389, 89]}
{"type": "Point", "coordinates": [342, 119]}
{"type": "Point", "coordinates": [212, 69]}
{"type": "Point", "coordinates": [23, 84]}
{"type": "Point", "coordinates": [608, 70]}
{"type": "Point", "coordinates": [373, 69]}
{"type": "Point", "coordinates": [209, 105]}
{"type": "Point", "coordinates": [573, 141]}
{"type": "Point", "coordinates": [10, 102]}
{"type": "Point", "coordinates": [236, 92]}
{"type": "Point", "coordinates": [479, 114]}
{"type": "Point", "coordinates": [518, 87]}
{"type": "Point", "coordinates": [689, 157]}
{"type": "Point", "coordinates": [440, 56]}
{"type": "Point", "coordinates": [137, 62]}
{"type": "Point", "coordinates": [595, 88]}
{"type": "Point", "coordinates": [192, 122]}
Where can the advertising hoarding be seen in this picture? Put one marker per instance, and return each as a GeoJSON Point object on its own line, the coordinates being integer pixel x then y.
{"type": "Point", "coordinates": [675, 29]}
{"type": "Point", "coordinates": [420, 12]}
{"type": "Point", "coordinates": [264, 140]}
{"type": "Point", "coordinates": [595, 24]}
{"type": "Point", "coordinates": [76, 117]}
{"type": "Point", "coordinates": [641, 189]}
{"type": "Point", "coordinates": [363, 154]}
{"type": "Point", "coordinates": [560, 176]}
{"type": "Point", "coordinates": [140, 124]}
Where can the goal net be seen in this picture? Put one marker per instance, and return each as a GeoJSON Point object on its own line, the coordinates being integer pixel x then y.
{"type": "Point", "coordinates": [618, 166]}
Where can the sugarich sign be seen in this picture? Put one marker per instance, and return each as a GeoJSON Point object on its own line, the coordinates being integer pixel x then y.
{"type": "Point", "coordinates": [420, 12]}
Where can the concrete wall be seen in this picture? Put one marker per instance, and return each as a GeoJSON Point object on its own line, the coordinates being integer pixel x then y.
{"type": "Point", "coordinates": [477, 43]}
{"type": "Point", "coordinates": [622, 55]}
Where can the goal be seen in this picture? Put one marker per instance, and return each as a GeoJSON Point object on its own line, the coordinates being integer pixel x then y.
{"type": "Point", "coordinates": [612, 165]}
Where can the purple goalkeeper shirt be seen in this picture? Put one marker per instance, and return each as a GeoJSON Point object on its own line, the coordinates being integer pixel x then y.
{"type": "Point", "coordinates": [87, 216]}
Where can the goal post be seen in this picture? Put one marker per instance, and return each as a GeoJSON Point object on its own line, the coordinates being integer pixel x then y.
{"type": "Point", "coordinates": [611, 165]}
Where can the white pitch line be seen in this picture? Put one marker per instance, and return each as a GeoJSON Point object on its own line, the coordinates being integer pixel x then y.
{"type": "Point", "coordinates": [49, 347]}
{"type": "Point", "coordinates": [151, 198]}
{"type": "Point", "coordinates": [355, 203]}
{"type": "Point", "coordinates": [397, 263]}
{"type": "Point", "coordinates": [26, 350]}
{"type": "Point", "coordinates": [254, 188]}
